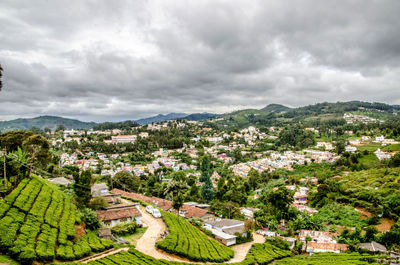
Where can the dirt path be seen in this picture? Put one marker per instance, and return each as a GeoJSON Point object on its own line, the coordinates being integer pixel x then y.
{"type": "Point", "coordinates": [146, 244]}
{"type": "Point", "coordinates": [242, 249]}
{"type": "Point", "coordinates": [100, 255]}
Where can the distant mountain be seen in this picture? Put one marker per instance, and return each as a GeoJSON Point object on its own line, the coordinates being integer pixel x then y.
{"type": "Point", "coordinates": [43, 122]}
{"type": "Point", "coordinates": [161, 118]}
{"type": "Point", "coordinates": [277, 108]}
{"type": "Point", "coordinates": [199, 116]}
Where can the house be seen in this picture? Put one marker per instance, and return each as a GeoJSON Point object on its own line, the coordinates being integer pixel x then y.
{"type": "Point", "coordinates": [121, 139]}
{"type": "Point", "coordinates": [266, 233]}
{"type": "Point", "coordinates": [112, 198]}
{"type": "Point", "coordinates": [382, 155]}
{"type": "Point", "coordinates": [99, 189]}
{"type": "Point", "coordinates": [229, 226]}
{"type": "Point", "coordinates": [300, 198]}
{"type": "Point", "coordinates": [317, 236]}
{"type": "Point", "coordinates": [116, 214]}
{"type": "Point", "coordinates": [248, 212]}
{"type": "Point", "coordinates": [186, 211]}
{"type": "Point", "coordinates": [350, 149]}
{"type": "Point", "coordinates": [224, 238]}
{"type": "Point", "coordinates": [291, 241]}
{"type": "Point", "coordinates": [105, 233]}
{"type": "Point", "coordinates": [373, 247]}
{"type": "Point", "coordinates": [60, 181]}
{"type": "Point", "coordinates": [314, 247]}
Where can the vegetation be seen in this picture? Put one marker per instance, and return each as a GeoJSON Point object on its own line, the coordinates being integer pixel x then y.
{"type": "Point", "coordinates": [259, 254]}
{"type": "Point", "coordinates": [185, 240]}
{"type": "Point", "coordinates": [329, 258]}
{"type": "Point", "coordinates": [36, 217]}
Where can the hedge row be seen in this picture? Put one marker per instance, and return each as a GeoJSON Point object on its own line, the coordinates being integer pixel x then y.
{"type": "Point", "coordinates": [24, 247]}
{"type": "Point", "coordinates": [135, 257]}
{"type": "Point", "coordinates": [37, 218]}
{"type": "Point", "coordinates": [85, 245]}
{"type": "Point", "coordinates": [187, 241]}
{"type": "Point", "coordinates": [46, 243]}
{"type": "Point", "coordinates": [67, 222]}
{"type": "Point", "coordinates": [28, 195]}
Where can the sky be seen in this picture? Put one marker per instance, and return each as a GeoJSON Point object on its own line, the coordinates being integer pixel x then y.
{"type": "Point", "coordinates": [103, 60]}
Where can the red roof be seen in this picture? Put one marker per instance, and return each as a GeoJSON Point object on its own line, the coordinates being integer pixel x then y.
{"type": "Point", "coordinates": [108, 215]}
{"type": "Point", "coordinates": [166, 205]}
{"type": "Point", "coordinates": [327, 246]}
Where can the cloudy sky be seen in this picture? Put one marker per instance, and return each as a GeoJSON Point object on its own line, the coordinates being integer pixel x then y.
{"type": "Point", "coordinates": [116, 60]}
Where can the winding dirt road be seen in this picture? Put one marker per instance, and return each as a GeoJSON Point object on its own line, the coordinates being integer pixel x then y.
{"type": "Point", "coordinates": [146, 244]}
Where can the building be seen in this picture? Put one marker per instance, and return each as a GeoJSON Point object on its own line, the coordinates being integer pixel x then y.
{"type": "Point", "coordinates": [317, 236]}
{"type": "Point", "coordinates": [373, 247]}
{"type": "Point", "coordinates": [60, 181]}
{"type": "Point", "coordinates": [99, 189]}
{"type": "Point", "coordinates": [314, 247]}
{"type": "Point", "coordinates": [123, 139]}
{"type": "Point", "coordinates": [248, 212]}
{"type": "Point", "coordinates": [105, 233]}
{"type": "Point", "coordinates": [120, 213]}
{"type": "Point", "coordinates": [350, 149]}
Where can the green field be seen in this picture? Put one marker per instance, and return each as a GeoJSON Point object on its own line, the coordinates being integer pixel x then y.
{"type": "Point", "coordinates": [187, 241]}
{"type": "Point", "coordinates": [37, 222]}
{"type": "Point", "coordinates": [391, 148]}
{"type": "Point", "coordinates": [328, 258]}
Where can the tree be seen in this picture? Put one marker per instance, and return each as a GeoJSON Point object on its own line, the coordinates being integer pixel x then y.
{"type": "Point", "coordinates": [82, 187]}
{"type": "Point", "coordinates": [126, 181]}
{"type": "Point", "coordinates": [254, 178]}
{"type": "Point", "coordinates": [229, 206]}
{"type": "Point", "coordinates": [37, 149]}
{"type": "Point", "coordinates": [60, 127]}
{"type": "Point", "coordinates": [98, 203]}
{"type": "Point", "coordinates": [207, 191]}
{"type": "Point", "coordinates": [89, 217]}
{"type": "Point", "coordinates": [177, 202]}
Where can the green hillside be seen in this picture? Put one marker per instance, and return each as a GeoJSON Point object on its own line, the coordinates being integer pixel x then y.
{"type": "Point", "coordinates": [43, 122]}
{"type": "Point", "coordinates": [275, 108]}
{"type": "Point", "coordinates": [312, 115]}
{"type": "Point", "coordinates": [37, 222]}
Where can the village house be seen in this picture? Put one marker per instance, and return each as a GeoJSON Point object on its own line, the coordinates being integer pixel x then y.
{"type": "Point", "coordinates": [122, 139]}
{"type": "Point", "coordinates": [119, 213]}
{"type": "Point", "coordinates": [314, 247]}
{"type": "Point", "coordinates": [248, 212]}
{"type": "Point", "coordinates": [317, 236]}
{"type": "Point", "coordinates": [99, 189]}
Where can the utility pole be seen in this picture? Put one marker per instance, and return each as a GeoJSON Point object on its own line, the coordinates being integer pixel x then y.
{"type": "Point", "coordinates": [5, 178]}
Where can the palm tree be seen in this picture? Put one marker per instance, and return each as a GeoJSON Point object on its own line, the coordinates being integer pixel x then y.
{"type": "Point", "coordinates": [1, 74]}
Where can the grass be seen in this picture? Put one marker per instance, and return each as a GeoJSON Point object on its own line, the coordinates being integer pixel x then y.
{"type": "Point", "coordinates": [369, 147]}
{"type": "Point", "coordinates": [133, 239]}
{"type": "Point", "coordinates": [391, 148]}
{"type": "Point", "coordinates": [7, 260]}
{"type": "Point", "coordinates": [369, 160]}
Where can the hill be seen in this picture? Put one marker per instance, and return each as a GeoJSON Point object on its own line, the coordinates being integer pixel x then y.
{"type": "Point", "coordinates": [275, 108]}
{"type": "Point", "coordinates": [279, 115]}
{"type": "Point", "coordinates": [43, 122]}
{"type": "Point", "coordinates": [37, 222]}
{"type": "Point", "coordinates": [161, 118]}
{"type": "Point", "coordinates": [199, 116]}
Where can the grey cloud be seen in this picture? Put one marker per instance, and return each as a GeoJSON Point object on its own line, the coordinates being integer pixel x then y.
{"type": "Point", "coordinates": [115, 60]}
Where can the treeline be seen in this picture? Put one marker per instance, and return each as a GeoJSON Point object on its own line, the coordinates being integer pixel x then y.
{"type": "Point", "coordinates": [123, 125]}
